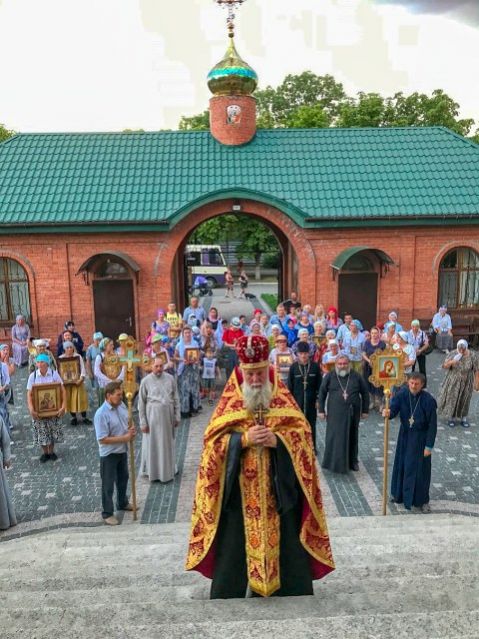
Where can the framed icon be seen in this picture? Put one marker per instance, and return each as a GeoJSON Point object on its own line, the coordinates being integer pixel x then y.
{"type": "Point", "coordinates": [174, 332]}
{"type": "Point", "coordinates": [69, 369]}
{"type": "Point", "coordinates": [387, 368]}
{"type": "Point", "coordinates": [284, 360]}
{"type": "Point", "coordinates": [47, 399]}
{"type": "Point", "coordinates": [161, 355]}
{"type": "Point", "coordinates": [192, 355]}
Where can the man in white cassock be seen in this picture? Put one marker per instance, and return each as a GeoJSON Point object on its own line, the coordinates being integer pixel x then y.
{"type": "Point", "coordinates": [159, 408]}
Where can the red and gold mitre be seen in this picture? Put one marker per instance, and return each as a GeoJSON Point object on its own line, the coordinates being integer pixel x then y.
{"type": "Point", "coordinates": [253, 351]}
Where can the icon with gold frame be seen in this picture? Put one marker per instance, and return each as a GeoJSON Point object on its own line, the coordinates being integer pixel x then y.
{"type": "Point", "coordinates": [47, 399]}
{"type": "Point", "coordinates": [284, 360]}
{"type": "Point", "coordinates": [387, 368]}
{"type": "Point", "coordinates": [192, 355]}
{"type": "Point", "coordinates": [69, 369]}
{"type": "Point", "coordinates": [319, 340]}
{"type": "Point", "coordinates": [174, 332]}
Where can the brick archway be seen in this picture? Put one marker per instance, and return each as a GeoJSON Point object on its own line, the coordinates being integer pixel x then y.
{"type": "Point", "coordinates": [290, 236]}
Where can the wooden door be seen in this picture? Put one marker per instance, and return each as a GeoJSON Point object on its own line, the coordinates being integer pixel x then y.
{"type": "Point", "coordinates": [358, 295]}
{"type": "Point", "coordinates": [114, 307]}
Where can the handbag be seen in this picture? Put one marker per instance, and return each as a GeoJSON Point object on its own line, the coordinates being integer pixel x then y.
{"type": "Point", "coordinates": [430, 346]}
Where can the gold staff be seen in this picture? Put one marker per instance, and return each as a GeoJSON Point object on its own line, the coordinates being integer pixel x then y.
{"type": "Point", "coordinates": [387, 371]}
{"type": "Point", "coordinates": [132, 361]}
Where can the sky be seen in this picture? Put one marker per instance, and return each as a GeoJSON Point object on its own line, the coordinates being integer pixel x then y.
{"type": "Point", "coordinates": [108, 65]}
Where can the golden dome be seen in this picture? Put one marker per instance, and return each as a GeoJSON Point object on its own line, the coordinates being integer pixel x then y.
{"type": "Point", "coordinates": [232, 76]}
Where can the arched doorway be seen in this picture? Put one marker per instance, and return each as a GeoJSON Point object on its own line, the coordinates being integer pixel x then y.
{"type": "Point", "coordinates": [275, 260]}
{"type": "Point", "coordinates": [359, 269]}
{"type": "Point", "coordinates": [459, 280]}
{"type": "Point", "coordinates": [113, 278]}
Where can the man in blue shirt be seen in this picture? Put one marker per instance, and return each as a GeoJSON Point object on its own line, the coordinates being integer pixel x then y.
{"type": "Point", "coordinates": [113, 434]}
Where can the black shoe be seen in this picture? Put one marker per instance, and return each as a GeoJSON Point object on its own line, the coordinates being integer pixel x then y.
{"type": "Point", "coordinates": [53, 456]}
{"type": "Point", "coordinates": [85, 420]}
{"type": "Point", "coordinates": [44, 458]}
{"type": "Point", "coordinates": [74, 422]}
{"type": "Point", "coordinates": [355, 467]}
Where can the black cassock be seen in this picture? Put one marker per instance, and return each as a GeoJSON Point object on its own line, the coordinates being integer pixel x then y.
{"type": "Point", "coordinates": [411, 477]}
{"type": "Point", "coordinates": [230, 576]}
{"type": "Point", "coordinates": [341, 445]}
{"type": "Point", "coordinates": [306, 398]}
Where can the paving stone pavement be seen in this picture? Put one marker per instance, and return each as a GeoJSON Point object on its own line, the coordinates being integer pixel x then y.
{"type": "Point", "coordinates": [67, 492]}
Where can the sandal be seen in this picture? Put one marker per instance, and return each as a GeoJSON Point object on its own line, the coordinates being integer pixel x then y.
{"type": "Point", "coordinates": [465, 423]}
{"type": "Point", "coordinates": [451, 424]}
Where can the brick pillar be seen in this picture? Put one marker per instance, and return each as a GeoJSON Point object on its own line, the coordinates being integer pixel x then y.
{"type": "Point", "coordinates": [233, 119]}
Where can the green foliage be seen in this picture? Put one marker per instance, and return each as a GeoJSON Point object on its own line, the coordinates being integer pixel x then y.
{"type": "Point", "coordinates": [199, 122]}
{"type": "Point", "coordinates": [310, 101]}
{"type": "Point", "coordinates": [270, 299]}
{"type": "Point", "coordinates": [277, 107]}
{"type": "Point", "coordinates": [5, 133]}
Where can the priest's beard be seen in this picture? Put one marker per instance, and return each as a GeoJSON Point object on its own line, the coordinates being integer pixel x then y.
{"type": "Point", "coordinates": [255, 397]}
{"type": "Point", "coordinates": [343, 372]}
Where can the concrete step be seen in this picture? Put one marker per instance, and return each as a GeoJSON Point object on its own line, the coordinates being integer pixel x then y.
{"type": "Point", "coordinates": [152, 579]}
{"type": "Point", "coordinates": [167, 533]}
{"type": "Point", "coordinates": [440, 625]}
{"type": "Point", "coordinates": [286, 608]}
{"type": "Point", "coordinates": [331, 588]}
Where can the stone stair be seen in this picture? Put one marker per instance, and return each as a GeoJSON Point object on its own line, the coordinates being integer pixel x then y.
{"type": "Point", "coordinates": [397, 577]}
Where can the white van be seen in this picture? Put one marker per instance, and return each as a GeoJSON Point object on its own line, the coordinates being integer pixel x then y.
{"type": "Point", "coordinates": [206, 260]}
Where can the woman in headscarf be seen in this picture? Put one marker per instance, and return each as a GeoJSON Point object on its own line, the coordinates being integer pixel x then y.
{"type": "Point", "coordinates": [188, 374]}
{"type": "Point", "coordinates": [47, 430]}
{"type": "Point", "coordinates": [77, 398]}
{"type": "Point", "coordinates": [6, 359]}
{"type": "Point", "coordinates": [160, 325]}
{"type": "Point", "coordinates": [455, 394]}
{"type": "Point", "coordinates": [20, 339]}
{"type": "Point", "coordinates": [41, 346]}
{"type": "Point", "coordinates": [4, 394]}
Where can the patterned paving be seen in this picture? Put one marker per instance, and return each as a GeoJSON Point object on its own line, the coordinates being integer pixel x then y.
{"type": "Point", "coordinates": [67, 492]}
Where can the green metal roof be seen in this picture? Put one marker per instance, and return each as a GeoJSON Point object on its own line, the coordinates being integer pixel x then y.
{"type": "Point", "coordinates": [318, 177]}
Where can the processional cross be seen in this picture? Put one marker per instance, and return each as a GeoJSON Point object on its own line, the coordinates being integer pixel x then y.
{"type": "Point", "coordinates": [132, 361]}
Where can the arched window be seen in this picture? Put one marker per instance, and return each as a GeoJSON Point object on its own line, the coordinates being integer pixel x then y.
{"type": "Point", "coordinates": [459, 279]}
{"type": "Point", "coordinates": [14, 293]}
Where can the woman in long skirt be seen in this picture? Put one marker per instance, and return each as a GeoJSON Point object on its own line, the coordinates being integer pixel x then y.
{"type": "Point", "coordinates": [188, 374]}
{"type": "Point", "coordinates": [7, 512]}
{"type": "Point", "coordinates": [456, 389]}
{"type": "Point", "coordinates": [77, 397]}
{"type": "Point", "coordinates": [20, 338]}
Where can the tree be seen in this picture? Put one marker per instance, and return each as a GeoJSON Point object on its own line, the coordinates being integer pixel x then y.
{"type": "Point", "coordinates": [254, 238]}
{"type": "Point", "coordinates": [5, 133]}
{"type": "Point", "coordinates": [311, 101]}
{"type": "Point", "coordinates": [199, 122]}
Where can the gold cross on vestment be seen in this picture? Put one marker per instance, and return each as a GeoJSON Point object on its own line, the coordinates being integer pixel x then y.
{"type": "Point", "coordinates": [260, 413]}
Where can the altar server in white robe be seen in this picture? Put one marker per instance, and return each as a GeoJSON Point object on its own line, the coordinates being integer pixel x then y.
{"type": "Point", "coordinates": [7, 511]}
{"type": "Point", "coordinates": [159, 408]}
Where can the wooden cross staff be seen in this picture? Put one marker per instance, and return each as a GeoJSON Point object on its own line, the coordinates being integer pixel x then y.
{"type": "Point", "coordinates": [131, 361]}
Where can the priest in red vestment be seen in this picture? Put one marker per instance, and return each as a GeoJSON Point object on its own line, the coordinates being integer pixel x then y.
{"type": "Point", "coordinates": [258, 524]}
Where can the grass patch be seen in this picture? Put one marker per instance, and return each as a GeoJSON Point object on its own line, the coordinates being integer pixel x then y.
{"type": "Point", "coordinates": [270, 299]}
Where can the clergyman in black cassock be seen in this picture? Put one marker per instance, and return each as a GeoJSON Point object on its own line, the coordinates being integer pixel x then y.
{"type": "Point", "coordinates": [304, 380]}
{"type": "Point", "coordinates": [417, 410]}
{"type": "Point", "coordinates": [348, 400]}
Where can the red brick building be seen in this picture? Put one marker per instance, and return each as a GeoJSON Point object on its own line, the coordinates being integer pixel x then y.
{"type": "Point", "coordinates": [93, 226]}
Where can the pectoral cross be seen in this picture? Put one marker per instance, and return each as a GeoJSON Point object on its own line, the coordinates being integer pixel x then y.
{"type": "Point", "coordinates": [345, 395]}
{"type": "Point", "coordinates": [259, 414]}
{"type": "Point", "coordinates": [411, 421]}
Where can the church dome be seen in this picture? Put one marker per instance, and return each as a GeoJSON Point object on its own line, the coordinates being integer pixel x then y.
{"type": "Point", "coordinates": [232, 76]}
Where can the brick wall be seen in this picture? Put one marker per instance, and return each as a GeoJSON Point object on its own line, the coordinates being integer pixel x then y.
{"type": "Point", "coordinates": [237, 132]}
{"type": "Point", "coordinates": [57, 293]}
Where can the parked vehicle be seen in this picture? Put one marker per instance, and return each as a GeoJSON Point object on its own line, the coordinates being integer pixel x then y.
{"type": "Point", "coordinates": [206, 260]}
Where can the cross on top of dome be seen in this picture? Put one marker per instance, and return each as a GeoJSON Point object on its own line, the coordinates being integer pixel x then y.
{"type": "Point", "coordinates": [231, 6]}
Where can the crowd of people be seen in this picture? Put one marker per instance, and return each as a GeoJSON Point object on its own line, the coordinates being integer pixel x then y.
{"type": "Point", "coordinates": [324, 361]}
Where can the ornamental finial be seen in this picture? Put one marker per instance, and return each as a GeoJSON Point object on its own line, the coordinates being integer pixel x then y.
{"type": "Point", "coordinates": [231, 6]}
